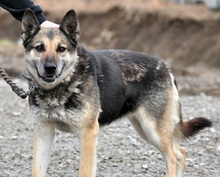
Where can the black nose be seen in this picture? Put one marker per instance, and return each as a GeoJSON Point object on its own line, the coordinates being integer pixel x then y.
{"type": "Point", "coordinates": [50, 68]}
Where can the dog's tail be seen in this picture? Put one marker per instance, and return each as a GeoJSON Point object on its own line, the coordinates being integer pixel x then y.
{"type": "Point", "coordinates": [193, 126]}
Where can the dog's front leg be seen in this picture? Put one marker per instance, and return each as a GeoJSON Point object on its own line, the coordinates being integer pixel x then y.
{"type": "Point", "coordinates": [43, 140]}
{"type": "Point", "coordinates": [89, 135]}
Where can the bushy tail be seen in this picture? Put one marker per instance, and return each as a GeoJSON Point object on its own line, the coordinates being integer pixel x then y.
{"type": "Point", "coordinates": [193, 126]}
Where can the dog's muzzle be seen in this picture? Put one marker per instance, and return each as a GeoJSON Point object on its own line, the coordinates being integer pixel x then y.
{"type": "Point", "coordinates": [50, 72]}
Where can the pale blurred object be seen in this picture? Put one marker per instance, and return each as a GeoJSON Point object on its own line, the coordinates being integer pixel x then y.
{"type": "Point", "coordinates": [49, 24]}
{"type": "Point", "coordinates": [213, 4]}
{"type": "Point", "coordinates": [45, 24]}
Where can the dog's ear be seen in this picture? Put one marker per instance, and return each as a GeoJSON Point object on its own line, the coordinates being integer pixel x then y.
{"type": "Point", "coordinates": [29, 25]}
{"type": "Point", "coordinates": [70, 26]}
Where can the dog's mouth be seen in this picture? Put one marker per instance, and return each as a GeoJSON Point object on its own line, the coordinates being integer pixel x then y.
{"type": "Point", "coordinates": [49, 77]}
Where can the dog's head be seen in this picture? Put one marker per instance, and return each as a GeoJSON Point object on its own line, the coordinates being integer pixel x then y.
{"type": "Point", "coordinates": [50, 54]}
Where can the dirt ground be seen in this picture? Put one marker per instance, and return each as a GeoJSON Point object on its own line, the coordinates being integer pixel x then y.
{"type": "Point", "coordinates": [186, 37]}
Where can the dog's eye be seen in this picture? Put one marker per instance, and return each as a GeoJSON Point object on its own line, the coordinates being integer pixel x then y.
{"type": "Point", "coordinates": [39, 48]}
{"type": "Point", "coordinates": [61, 49]}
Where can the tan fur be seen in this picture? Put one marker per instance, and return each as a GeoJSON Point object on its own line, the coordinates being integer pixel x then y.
{"type": "Point", "coordinates": [89, 133]}
{"type": "Point", "coordinates": [50, 48]}
{"type": "Point", "coordinates": [162, 134]}
{"type": "Point", "coordinates": [169, 124]}
{"type": "Point", "coordinates": [42, 144]}
{"type": "Point", "coordinates": [35, 168]}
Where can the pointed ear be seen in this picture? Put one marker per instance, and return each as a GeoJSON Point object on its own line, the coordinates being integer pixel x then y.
{"type": "Point", "coordinates": [70, 26]}
{"type": "Point", "coordinates": [29, 25]}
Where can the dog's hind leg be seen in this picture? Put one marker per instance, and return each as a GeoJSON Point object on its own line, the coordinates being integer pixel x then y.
{"type": "Point", "coordinates": [43, 140]}
{"type": "Point", "coordinates": [181, 158]}
{"type": "Point", "coordinates": [170, 157]}
{"type": "Point", "coordinates": [160, 137]}
{"type": "Point", "coordinates": [137, 126]}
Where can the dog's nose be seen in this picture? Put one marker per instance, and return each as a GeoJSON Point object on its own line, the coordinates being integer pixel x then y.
{"type": "Point", "coordinates": [50, 68]}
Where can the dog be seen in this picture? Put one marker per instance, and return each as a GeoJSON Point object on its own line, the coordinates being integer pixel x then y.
{"type": "Point", "coordinates": [78, 90]}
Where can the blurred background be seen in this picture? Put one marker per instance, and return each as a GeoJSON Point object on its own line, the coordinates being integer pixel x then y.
{"type": "Point", "coordinates": [184, 33]}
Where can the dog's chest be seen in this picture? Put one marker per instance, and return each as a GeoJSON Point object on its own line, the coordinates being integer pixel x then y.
{"type": "Point", "coordinates": [63, 105]}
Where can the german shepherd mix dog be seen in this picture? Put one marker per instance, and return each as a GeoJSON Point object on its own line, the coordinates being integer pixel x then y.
{"type": "Point", "coordinates": [77, 91]}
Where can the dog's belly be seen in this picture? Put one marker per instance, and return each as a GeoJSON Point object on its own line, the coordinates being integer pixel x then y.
{"type": "Point", "coordinates": [116, 108]}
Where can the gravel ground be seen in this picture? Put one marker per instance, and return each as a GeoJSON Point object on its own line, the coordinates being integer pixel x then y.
{"type": "Point", "coordinates": [121, 152]}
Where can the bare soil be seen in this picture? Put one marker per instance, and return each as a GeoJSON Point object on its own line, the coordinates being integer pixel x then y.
{"type": "Point", "coordinates": [186, 37]}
